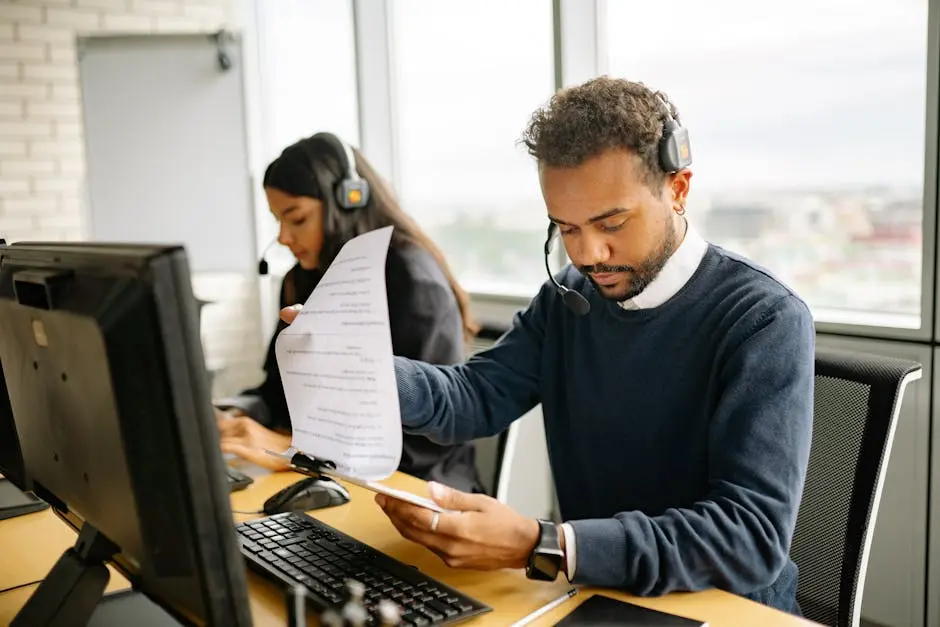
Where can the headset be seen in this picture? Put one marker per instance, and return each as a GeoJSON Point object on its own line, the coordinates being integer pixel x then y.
{"type": "Point", "coordinates": [351, 191]}
{"type": "Point", "coordinates": [674, 154]}
{"type": "Point", "coordinates": [674, 151]}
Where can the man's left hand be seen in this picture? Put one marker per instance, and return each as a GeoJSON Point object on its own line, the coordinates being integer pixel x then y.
{"type": "Point", "coordinates": [485, 534]}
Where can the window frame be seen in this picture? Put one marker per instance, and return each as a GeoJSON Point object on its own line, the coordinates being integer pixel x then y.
{"type": "Point", "coordinates": [375, 58]}
{"type": "Point", "coordinates": [930, 313]}
{"type": "Point", "coordinates": [577, 29]}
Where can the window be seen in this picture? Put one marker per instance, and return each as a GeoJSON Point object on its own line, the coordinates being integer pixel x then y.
{"type": "Point", "coordinates": [467, 74]}
{"type": "Point", "coordinates": [307, 69]}
{"type": "Point", "coordinates": [807, 130]}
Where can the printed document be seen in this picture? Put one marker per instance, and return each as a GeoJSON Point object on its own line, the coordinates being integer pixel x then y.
{"type": "Point", "coordinates": [336, 363]}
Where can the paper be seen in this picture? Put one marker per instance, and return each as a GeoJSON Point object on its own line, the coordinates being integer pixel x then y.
{"type": "Point", "coordinates": [395, 493]}
{"type": "Point", "coordinates": [336, 364]}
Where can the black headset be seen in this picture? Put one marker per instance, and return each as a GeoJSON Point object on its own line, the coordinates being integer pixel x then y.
{"type": "Point", "coordinates": [674, 155]}
{"type": "Point", "coordinates": [674, 151]}
{"type": "Point", "coordinates": [351, 191]}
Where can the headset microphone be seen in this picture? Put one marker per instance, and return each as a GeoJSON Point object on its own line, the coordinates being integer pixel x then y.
{"type": "Point", "coordinates": [263, 263]}
{"type": "Point", "coordinates": [573, 300]}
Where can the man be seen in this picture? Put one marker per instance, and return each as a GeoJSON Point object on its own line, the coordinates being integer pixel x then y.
{"type": "Point", "coordinates": [678, 410]}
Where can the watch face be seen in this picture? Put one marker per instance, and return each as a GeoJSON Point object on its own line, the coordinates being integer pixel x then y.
{"type": "Point", "coordinates": [547, 562]}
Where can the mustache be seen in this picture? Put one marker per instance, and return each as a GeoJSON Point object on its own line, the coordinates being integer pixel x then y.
{"type": "Point", "coordinates": [601, 268]}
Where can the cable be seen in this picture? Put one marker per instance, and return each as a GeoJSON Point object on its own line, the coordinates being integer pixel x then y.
{"type": "Point", "coordinates": [22, 585]}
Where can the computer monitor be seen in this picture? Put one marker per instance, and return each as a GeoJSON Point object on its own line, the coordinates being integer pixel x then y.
{"type": "Point", "coordinates": [105, 374]}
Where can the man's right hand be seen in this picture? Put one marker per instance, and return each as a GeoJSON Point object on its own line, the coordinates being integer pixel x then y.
{"type": "Point", "coordinates": [289, 314]}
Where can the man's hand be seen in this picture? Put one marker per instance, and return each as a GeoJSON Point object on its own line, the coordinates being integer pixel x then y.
{"type": "Point", "coordinates": [243, 436]}
{"type": "Point", "coordinates": [484, 535]}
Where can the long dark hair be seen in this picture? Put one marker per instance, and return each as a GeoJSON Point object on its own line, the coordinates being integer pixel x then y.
{"type": "Point", "coordinates": [311, 168]}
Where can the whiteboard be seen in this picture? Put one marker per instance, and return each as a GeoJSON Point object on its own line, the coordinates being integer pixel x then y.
{"type": "Point", "coordinates": [166, 146]}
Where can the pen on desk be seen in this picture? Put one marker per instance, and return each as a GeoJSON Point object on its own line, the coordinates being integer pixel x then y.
{"type": "Point", "coordinates": [545, 609]}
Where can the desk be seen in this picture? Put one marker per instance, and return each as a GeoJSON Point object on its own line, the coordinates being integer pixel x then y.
{"type": "Point", "coordinates": [31, 544]}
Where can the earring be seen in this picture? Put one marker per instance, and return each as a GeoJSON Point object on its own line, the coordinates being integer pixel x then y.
{"type": "Point", "coordinates": [681, 210]}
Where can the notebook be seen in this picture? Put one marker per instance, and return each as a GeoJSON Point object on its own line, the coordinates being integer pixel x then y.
{"type": "Point", "coordinates": [600, 611]}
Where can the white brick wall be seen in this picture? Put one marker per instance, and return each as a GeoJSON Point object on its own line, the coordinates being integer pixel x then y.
{"type": "Point", "coordinates": [42, 163]}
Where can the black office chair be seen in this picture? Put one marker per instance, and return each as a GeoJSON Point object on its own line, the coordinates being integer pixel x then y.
{"type": "Point", "coordinates": [857, 399]}
{"type": "Point", "coordinates": [494, 454]}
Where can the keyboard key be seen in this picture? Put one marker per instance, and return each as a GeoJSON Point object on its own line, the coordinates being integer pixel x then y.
{"type": "Point", "coordinates": [248, 545]}
{"type": "Point", "coordinates": [446, 610]}
{"type": "Point", "coordinates": [291, 540]}
{"type": "Point", "coordinates": [431, 614]}
{"type": "Point", "coordinates": [410, 618]}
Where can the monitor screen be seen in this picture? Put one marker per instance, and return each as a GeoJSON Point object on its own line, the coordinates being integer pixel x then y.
{"type": "Point", "coordinates": [106, 380]}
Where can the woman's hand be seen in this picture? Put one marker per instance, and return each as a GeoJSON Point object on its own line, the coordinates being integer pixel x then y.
{"type": "Point", "coordinates": [289, 314]}
{"type": "Point", "coordinates": [243, 436]}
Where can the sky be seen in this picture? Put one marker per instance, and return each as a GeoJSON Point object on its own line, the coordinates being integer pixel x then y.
{"type": "Point", "coordinates": [812, 93]}
{"type": "Point", "coordinates": [808, 93]}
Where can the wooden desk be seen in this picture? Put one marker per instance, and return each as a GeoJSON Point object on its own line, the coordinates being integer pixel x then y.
{"type": "Point", "coordinates": [30, 545]}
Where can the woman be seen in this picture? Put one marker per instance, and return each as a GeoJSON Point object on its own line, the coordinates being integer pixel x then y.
{"type": "Point", "coordinates": [321, 203]}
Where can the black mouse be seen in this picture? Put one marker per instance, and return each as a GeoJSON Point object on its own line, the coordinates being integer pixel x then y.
{"type": "Point", "coordinates": [305, 495]}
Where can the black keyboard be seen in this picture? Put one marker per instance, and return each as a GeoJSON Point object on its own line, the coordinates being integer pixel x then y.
{"type": "Point", "coordinates": [237, 480]}
{"type": "Point", "coordinates": [294, 547]}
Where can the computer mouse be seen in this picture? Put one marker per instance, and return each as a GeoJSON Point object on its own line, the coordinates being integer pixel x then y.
{"type": "Point", "coordinates": [305, 495]}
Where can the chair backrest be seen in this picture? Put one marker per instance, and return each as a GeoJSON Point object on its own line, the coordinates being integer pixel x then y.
{"type": "Point", "coordinates": [491, 453]}
{"type": "Point", "coordinates": [505, 461]}
{"type": "Point", "coordinates": [857, 400]}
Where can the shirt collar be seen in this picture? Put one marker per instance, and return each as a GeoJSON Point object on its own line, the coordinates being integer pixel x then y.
{"type": "Point", "coordinates": [675, 274]}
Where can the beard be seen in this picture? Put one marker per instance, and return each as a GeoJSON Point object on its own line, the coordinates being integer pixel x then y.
{"type": "Point", "coordinates": [640, 276]}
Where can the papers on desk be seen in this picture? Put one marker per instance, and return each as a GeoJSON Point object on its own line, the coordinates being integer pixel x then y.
{"type": "Point", "coordinates": [336, 365]}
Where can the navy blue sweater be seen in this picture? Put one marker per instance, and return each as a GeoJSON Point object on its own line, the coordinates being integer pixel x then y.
{"type": "Point", "coordinates": [678, 435]}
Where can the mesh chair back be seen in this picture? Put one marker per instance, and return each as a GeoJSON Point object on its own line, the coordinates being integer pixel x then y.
{"type": "Point", "coordinates": [857, 398]}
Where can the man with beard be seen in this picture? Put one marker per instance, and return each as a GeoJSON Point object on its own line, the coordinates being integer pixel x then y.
{"type": "Point", "coordinates": [675, 378]}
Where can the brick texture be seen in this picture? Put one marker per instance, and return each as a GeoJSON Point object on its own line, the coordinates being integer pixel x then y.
{"type": "Point", "coordinates": [42, 160]}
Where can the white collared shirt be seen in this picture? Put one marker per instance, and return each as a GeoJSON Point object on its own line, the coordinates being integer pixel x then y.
{"type": "Point", "coordinates": [675, 274]}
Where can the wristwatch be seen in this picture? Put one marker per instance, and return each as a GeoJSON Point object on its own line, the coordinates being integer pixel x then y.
{"type": "Point", "coordinates": [545, 561]}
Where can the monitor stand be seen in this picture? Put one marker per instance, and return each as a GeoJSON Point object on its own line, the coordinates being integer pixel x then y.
{"type": "Point", "coordinates": [129, 607]}
{"type": "Point", "coordinates": [14, 502]}
{"type": "Point", "coordinates": [72, 589]}
{"type": "Point", "coordinates": [73, 592]}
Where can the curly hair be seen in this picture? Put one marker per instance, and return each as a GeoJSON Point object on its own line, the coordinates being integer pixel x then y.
{"type": "Point", "coordinates": [603, 113]}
